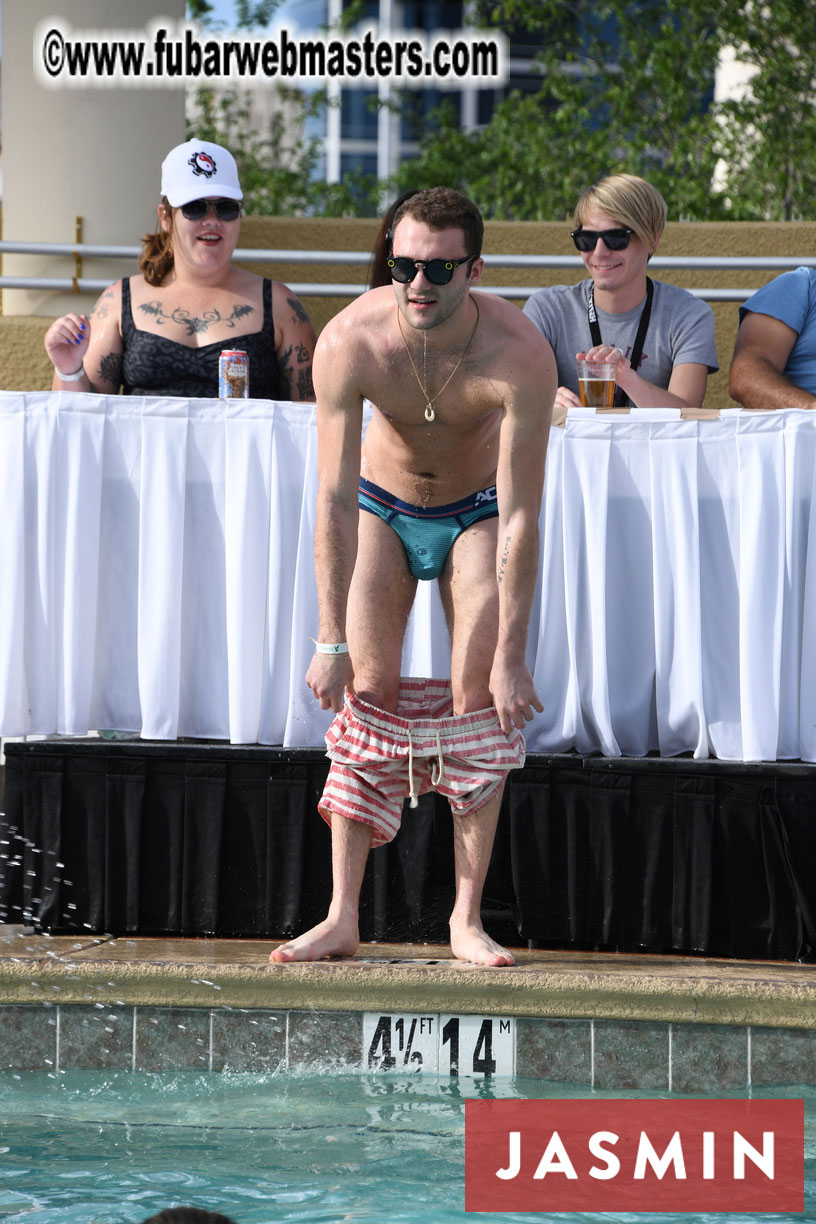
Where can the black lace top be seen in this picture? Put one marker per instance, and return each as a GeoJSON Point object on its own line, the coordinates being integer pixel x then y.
{"type": "Point", "coordinates": [157, 365]}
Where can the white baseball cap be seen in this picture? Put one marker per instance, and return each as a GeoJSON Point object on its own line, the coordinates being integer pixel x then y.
{"type": "Point", "coordinates": [198, 169]}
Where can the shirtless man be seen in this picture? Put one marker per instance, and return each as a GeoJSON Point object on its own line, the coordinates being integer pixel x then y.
{"type": "Point", "coordinates": [463, 386]}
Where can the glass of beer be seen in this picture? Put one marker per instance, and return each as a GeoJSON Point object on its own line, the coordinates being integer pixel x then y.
{"type": "Point", "coordinates": [596, 383]}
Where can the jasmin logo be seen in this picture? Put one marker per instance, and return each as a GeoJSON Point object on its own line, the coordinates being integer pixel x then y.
{"type": "Point", "coordinates": [612, 1155]}
{"type": "Point", "coordinates": [202, 163]}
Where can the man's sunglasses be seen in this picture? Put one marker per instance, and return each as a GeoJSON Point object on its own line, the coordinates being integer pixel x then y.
{"type": "Point", "coordinates": [437, 271]}
{"type": "Point", "coordinates": [614, 239]}
{"type": "Point", "coordinates": [225, 210]}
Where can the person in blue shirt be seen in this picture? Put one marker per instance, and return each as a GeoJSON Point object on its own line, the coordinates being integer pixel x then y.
{"type": "Point", "coordinates": [774, 363]}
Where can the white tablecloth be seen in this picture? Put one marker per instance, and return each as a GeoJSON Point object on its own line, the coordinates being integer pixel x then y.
{"type": "Point", "coordinates": [157, 577]}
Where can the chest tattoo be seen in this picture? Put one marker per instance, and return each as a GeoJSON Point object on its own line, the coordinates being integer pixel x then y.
{"type": "Point", "coordinates": [196, 325]}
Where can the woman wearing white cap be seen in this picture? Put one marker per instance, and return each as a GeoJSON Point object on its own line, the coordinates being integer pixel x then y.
{"type": "Point", "coordinates": [161, 332]}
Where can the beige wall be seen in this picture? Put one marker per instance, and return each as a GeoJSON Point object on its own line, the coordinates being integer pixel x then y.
{"type": "Point", "coordinates": [23, 364]}
{"type": "Point", "coordinates": [69, 153]}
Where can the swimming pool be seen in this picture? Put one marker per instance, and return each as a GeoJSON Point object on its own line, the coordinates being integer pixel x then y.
{"type": "Point", "coordinates": [83, 1147]}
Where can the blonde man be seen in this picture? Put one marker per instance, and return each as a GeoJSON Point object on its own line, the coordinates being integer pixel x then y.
{"type": "Point", "coordinates": [661, 338]}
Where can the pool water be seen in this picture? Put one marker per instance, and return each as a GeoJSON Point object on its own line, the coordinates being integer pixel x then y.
{"type": "Point", "coordinates": [114, 1148]}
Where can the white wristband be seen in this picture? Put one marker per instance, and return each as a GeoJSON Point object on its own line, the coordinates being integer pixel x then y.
{"type": "Point", "coordinates": [75, 377]}
{"type": "Point", "coordinates": [331, 648]}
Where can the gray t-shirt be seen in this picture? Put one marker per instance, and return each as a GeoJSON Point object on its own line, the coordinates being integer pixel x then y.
{"type": "Point", "coordinates": [681, 329]}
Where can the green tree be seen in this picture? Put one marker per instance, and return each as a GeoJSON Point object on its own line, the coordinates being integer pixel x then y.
{"type": "Point", "coordinates": [248, 15]}
{"type": "Point", "coordinates": [768, 140]}
{"type": "Point", "coordinates": [278, 167]}
{"type": "Point", "coordinates": [628, 86]}
{"type": "Point", "coordinates": [625, 86]}
{"type": "Point", "coordinates": [199, 10]}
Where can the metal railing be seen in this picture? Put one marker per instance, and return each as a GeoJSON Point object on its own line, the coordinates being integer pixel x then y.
{"type": "Point", "coordinates": [80, 251]}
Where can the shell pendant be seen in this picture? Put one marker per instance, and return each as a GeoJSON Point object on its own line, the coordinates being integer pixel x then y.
{"type": "Point", "coordinates": [430, 415]}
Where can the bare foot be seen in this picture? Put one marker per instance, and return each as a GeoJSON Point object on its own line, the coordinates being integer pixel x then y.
{"type": "Point", "coordinates": [328, 938]}
{"type": "Point", "coordinates": [470, 942]}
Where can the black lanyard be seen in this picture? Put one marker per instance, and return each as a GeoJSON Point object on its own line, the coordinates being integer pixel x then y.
{"type": "Point", "coordinates": [621, 399]}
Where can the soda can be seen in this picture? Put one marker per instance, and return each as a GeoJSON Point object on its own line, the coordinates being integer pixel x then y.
{"type": "Point", "coordinates": [233, 374]}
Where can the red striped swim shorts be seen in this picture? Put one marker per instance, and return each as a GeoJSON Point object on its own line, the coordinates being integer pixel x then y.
{"type": "Point", "coordinates": [378, 758]}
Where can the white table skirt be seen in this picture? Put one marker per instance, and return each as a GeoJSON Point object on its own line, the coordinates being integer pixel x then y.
{"type": "Point", "coordinates": [157, 578]}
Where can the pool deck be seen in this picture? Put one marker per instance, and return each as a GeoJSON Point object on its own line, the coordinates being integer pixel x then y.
{"type": "Point", "coordinates": [235, 973]}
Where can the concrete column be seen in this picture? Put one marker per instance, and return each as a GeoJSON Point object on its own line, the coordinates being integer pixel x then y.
{"type": "Point", "coordinates": [91, 153]}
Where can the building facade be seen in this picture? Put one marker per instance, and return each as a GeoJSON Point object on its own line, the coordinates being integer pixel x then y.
{"type": "Point", "coordinates": [371, 130]}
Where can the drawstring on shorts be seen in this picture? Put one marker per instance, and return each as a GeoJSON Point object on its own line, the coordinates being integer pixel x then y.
{"type": "Point", "coordinates": [411, 790]}
{"type": "Point", "coordinates": [380, 758]}
{"type": "Point", "coordinates": [437, 767]}
{"type": "Point", "coordinates": [439, 761]}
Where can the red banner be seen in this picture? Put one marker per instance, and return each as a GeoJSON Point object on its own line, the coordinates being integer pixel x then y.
{"type": "Point", "coordinates": [604, 1154]}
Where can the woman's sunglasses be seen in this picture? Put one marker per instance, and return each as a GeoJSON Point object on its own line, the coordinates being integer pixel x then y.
{"type": "Point", "coordinates": [437, 271]}
{"type": "Point", "coordinates": [614, 239]}
{"type": "Point", "coordinates": [225, 210]}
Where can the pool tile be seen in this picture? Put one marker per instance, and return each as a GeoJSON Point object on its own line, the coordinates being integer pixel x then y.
{"type": "Point", "coordinates": [331, 1039]}
{"type": "Point", "coordinates": [96, 1038]}
{"type": "Point", "coordinates": [631, 1054]}
{"type": "Point", "coordinates": [783, 1056]}
{"type": "Point", "coordinates": [558, 1050]}
{"type": "Point", "coordinates": [245, 1040]}
{"type": "Point", "coordinates": [172, 1038]}
{"type": "Point", "coordinates": [710, 1057]}
{"type": "Point", "coordinates": [28, 1038]}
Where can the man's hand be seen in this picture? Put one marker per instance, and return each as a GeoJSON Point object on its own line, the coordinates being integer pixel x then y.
{"type": "Point", "coordinates": [606, 352]}
{"type": "Point", "coordinates": [328, 676]}
{"type": "Point", "coordinates": [514, 695]}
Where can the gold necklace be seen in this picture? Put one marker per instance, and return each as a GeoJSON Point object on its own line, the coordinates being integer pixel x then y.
{"type": "Point", "coordinates": [430, 415]}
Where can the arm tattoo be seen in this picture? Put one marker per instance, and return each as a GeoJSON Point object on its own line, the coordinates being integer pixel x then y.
{"type": "Point", "coordinates": [291, 376]}
{"type": "Point", "coordinates": [102, 309]}
{"type": "Point", "coordinates": [300, 315]}
{"type": "Point", "coordinates": [503, 562]}
{"type": "Point", "coordinates": [110, 369]}
{"type": "Point", "coordinates": [305, 385]}
{"type": "Point", "coordinates": [283, 374]}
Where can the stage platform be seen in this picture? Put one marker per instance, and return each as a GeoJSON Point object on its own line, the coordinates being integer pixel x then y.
{"type": "Point", "coordinates": [629, 855]}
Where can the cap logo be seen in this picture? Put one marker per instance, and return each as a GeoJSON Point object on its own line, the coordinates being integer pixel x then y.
{"type": "Point", "coordinates": [202, 163]}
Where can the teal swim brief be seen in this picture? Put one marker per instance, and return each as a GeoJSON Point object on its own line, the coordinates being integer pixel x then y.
{"type": "Point", "coordinates": [427, 534]}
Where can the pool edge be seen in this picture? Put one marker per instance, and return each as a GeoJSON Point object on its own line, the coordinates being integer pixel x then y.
{"type": "Point", "coordinates": [402, 978]}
